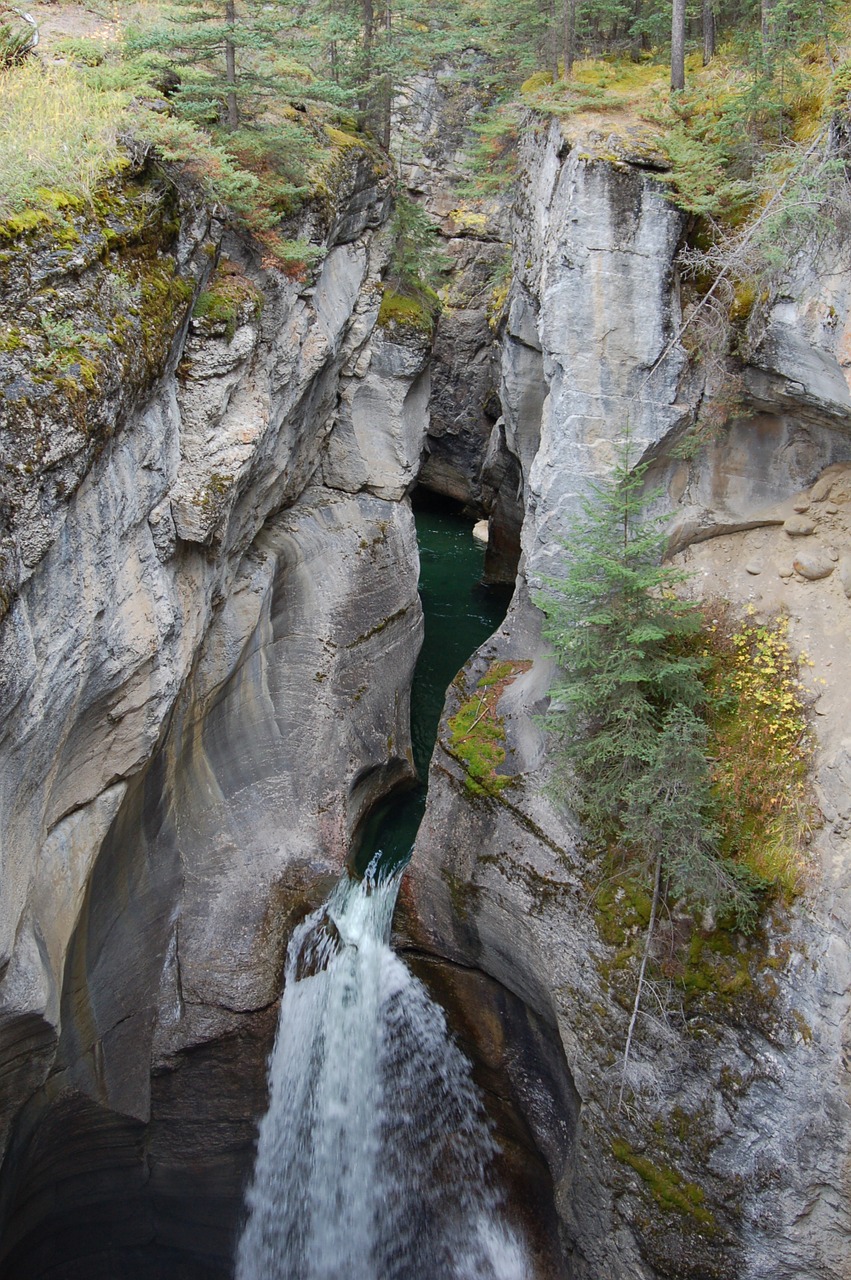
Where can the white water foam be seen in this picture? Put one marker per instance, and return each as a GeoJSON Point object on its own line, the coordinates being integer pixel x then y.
{"type": "Point", "coordinates": [373, 1159]}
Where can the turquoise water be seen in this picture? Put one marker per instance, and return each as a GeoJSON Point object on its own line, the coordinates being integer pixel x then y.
{"type": "Point", "coordinates": [460, 613]}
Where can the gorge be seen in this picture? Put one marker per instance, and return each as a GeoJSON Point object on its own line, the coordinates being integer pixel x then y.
{"type": "Point", "coordinates": [211, 621]}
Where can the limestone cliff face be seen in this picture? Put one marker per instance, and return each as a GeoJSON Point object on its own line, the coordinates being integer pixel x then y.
{"type": "Point", "coordinates": [205, 679]}
{"type": "Point", "coordinates": [210, 579]}
{"type": "Point", "coordinates": [734, 1156]}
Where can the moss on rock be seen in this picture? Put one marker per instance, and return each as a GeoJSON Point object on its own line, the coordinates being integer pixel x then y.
{"type": "Point", "coordinates": [669, 1190]}
{"type": "Point", "coordinates": [229, 299]}
{"type": "Point", "coordinates": [406, 311]}
{"type": "Point", "coordinates": [477, 731]}
{"type": "Point", "coordinates": [94, 298]}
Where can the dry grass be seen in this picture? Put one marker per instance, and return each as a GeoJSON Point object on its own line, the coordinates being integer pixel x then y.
{"type": "Point", "coordinates": [56, 133]}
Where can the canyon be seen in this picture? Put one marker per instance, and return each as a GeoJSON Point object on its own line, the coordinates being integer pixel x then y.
{"type": "Point", "coordinates": [210, 628]}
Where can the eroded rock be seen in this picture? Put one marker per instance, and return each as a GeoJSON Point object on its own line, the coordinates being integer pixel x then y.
{"type": "Point", "coordinates": [204, 686]}
{"type": "Point", "coordinates": [742, 1107]}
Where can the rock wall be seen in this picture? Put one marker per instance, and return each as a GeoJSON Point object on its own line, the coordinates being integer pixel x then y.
{"type": "Point", "coordinates": [732, 1155]}
{"type": "Point", "coordinates": [205, 680]}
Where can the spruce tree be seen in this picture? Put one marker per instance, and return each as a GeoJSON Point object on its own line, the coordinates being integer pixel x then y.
{"type": "Point", "coordinates": [627, 705]}
{"type": "Point", "coordinates": [214, 45]}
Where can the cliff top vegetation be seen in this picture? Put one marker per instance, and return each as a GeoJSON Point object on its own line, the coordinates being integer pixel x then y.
{"type": "Point", "coordinates": [258, 99]}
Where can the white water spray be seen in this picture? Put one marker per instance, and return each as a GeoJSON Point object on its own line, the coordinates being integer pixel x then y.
{"type": "Point", "coordinates": [373, 1158]}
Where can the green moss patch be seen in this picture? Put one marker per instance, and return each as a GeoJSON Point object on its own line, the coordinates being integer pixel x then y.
{"type": "Point", "coordinates": [408, 311]}
{"type": "Point", "coordinates": [229, 296]}
{"type": "Point", "coordinates": [477, 731]}
{"type": "Point", "coordinates": [668, 1188]}
{"type": "Point", "coordinates": [762, 748]}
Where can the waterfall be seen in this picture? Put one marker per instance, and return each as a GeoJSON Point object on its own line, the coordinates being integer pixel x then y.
{"type": "Point", "coordinates": [373, 1160]}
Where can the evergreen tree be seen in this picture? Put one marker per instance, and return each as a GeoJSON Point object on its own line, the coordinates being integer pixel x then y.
{"type": "Point", "coordinates": [627, 706]}
{"type": "Point", "coordinates": [214, 45]}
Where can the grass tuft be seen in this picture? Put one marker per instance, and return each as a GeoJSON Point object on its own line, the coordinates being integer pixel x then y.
{"type": "Point", "coordinates": [56, 132]}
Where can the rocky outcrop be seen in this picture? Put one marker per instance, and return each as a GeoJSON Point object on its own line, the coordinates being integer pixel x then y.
{"type": "Point", "coordinates": [211, 630]}
{"type": "Point", "coordinates": [731, 1155]}
{"type": "Point", "coordinates": [434, 140]}
{"type": "Point", "coordinates": [206, 689]}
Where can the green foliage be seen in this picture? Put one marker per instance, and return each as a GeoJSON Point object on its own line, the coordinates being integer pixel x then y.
{"type": "Point", "coordinates": [217, 47]}
{"type": "Point", "coordinates": [416, 266]}
{"type": "Point", "coordinates": [16, 37]}
{"type": "Point", "coordinates": [627, 708]}
{"type": "Point", "coordinates": [229, 120]}
{"type": "Point", "coordinates": [702, 171]}
{"type": "Point", "coordinates": [493, 158]}
{"type": "Point", "coordinates": [417, 262]}
{"type": "Point", "coordinates": [297, 258]}
{"type": "Point", "coordinates": [567, 99]}
{"type": "Point", "coordinates": [87, 52]}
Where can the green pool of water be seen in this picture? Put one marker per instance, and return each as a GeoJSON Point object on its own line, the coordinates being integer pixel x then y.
{"type": "Point", "coordinates": [460, 613]}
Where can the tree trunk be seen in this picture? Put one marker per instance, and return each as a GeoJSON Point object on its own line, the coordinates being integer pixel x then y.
{"type": "Point", "coordinates": [553, 41]}
{"type": "Point", "coordinates": [569, 36]}
{"type": "Point", "coordinates": [230, 65]}
{"type": "Point", "coordinates": [387, 80]}
{"type": "Point", "coordinates": [365, 88]}
{"type": "Point", "coordinates": [678, 45]}
{"type": "Point", "coordinates": [768, 33]}
{"type": "Point", "coordinates": [767, 21]}
{"type": "Point", "coordinates": [708, 32]}
{"type": "Point", "coordinates": [368, 34]}
{"type": "Point", "coordinates": [825, 26]}
{"type": "Point", "coordinates": [648, 943]}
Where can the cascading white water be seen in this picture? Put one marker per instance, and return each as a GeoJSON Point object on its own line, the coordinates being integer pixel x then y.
{"type": "Point", "coordinates": [373, 1158]}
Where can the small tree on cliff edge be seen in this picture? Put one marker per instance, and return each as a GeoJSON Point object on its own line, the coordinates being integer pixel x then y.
{"type": "Point", "coordinates": [627, 709]}
{"type": "Point", "coordinates": [627, 706]}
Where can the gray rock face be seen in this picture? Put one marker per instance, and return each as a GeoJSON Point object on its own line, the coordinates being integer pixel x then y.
{"type": "Point", "coordinates": [434, 140]}
{"type": "Point", "coordinates": [206, 687]}
{"type": "Point", "coordinates": [90, 318]}
{"type": "Point", "coordinates": [594, 310]}
{"type": "Point", "coordinates": [731, 1158]}
{"type": "Point", "coordinates": [377, 441]}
